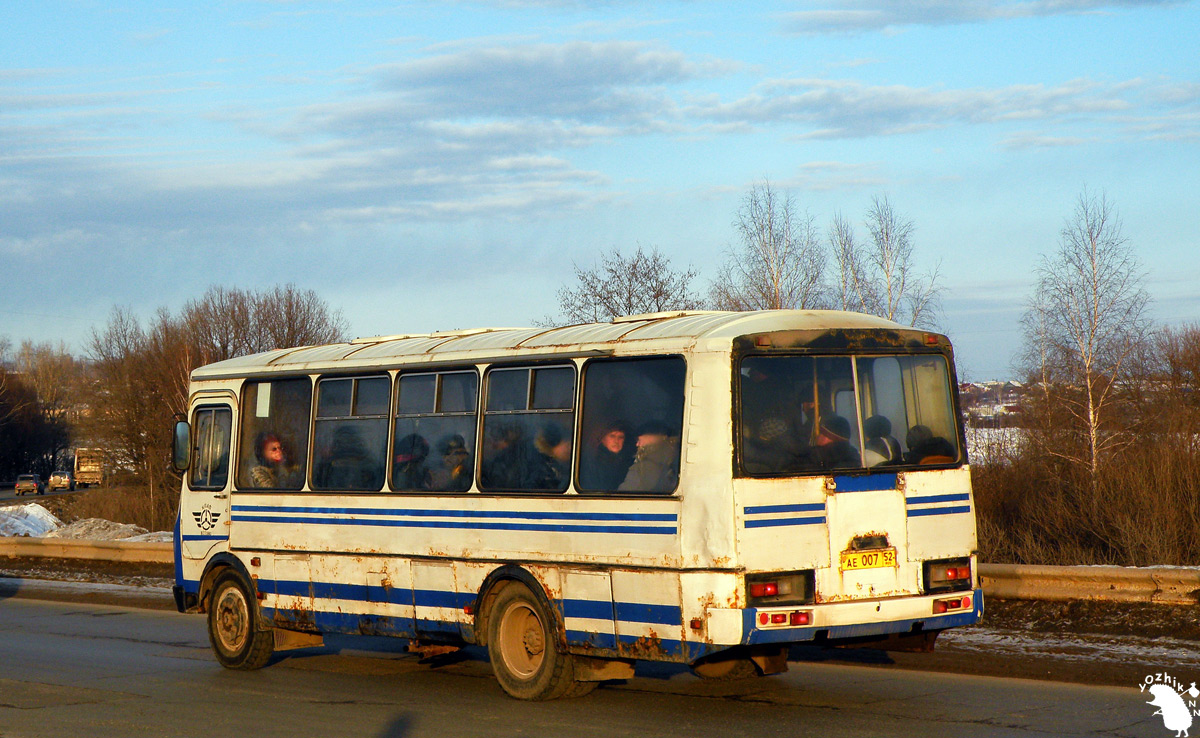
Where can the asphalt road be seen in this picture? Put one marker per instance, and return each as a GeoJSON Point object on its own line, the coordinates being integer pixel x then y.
{"type": "Point", "coordinates": [75, 669]}
{"type": "Point", "coordinates": [9, 496]}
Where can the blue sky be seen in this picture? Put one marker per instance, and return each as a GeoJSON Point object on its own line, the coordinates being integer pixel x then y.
{"type": "Point", "coordinates": [440, 165]}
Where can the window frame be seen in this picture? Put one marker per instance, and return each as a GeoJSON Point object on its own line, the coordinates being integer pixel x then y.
{"type": "Point", "coordinates": [229, 447]}
{"type": "Point", "coordinates": [315, 418]}
{"type": "Point", "coordinates": [551, 362]}
{"type": "Point", "coordinates": [739, 454]}
{"type": "Point", "coordinates": [579, 419]}
{"type": "Point", "coordinates": [395, 415]}
{"type": "Point", "coordinates": [245, 457]}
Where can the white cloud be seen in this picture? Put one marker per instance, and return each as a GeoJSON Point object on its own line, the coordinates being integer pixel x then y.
{"type": "Point", "coordinates": [855, 16]}
{"type": "Point", "coordinates": [828, 108]}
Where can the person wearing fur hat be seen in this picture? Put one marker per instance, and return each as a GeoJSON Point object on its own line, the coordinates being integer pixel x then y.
{"type": "Point", "coordinates": [656, 463]}
{"type": "Point", "coordinates": [833, 444]}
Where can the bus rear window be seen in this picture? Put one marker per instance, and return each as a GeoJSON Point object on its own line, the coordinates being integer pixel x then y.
{"type": "Point", "coordinates": [814, 414]}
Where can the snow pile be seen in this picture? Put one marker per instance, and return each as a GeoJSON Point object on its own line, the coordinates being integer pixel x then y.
{"type": "Point", "coordinates": [160, 536]}
{"type": "Point", "coordinates": [95, 529]}
{"type": "Point", "coordinates": [30, 519]}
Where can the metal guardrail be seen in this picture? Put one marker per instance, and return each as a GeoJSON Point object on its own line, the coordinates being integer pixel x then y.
{"type": "Point", "coordinates": [1160, 584]}
{"type": "Point", "coordinates": [68, 548]}
{"type": "Point", "coordinates": [1166, 585]}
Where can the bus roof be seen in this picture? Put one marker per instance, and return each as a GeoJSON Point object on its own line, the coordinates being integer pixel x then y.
{"type": "Point", "coordinates": [670, 331]}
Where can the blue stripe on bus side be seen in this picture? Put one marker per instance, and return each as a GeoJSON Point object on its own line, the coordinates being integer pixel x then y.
{"type": "Point", "coordinates": [938, 511]}
{"type": "Point", "coordinates": [587, 609]}
{"type": "Point", "coordinates": [638, 612]}
{"type": "Point", "coordinates": [775, 522]}
{"type": "Point", "coordinates": [298, 520]}
{"type": "Point", "coordinates": [428, 513]}
{"type": "Point", "coordinates": [626, 612]}
{"type": "Point", "coordinates": [768, 509]}
{"type": "Point", "coordinates": [938, 498]}
{"type": "Point", "coordinates": [203, 538]}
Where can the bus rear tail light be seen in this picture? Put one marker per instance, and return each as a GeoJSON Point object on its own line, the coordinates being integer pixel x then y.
{"type": "Point", "coordinates": [780, 588]}
{"type": "Point", "coordinates": [794, 619]}
{"type": "Point", "coordinates": [951, 604]}
{"type": "Point", "coordinates": [764, 589]}
{"type": "Point", "coordinates": [947, 575]}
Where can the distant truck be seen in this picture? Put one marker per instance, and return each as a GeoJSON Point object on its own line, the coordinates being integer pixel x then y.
{"type": "Point", "coordinates": [89, 467]}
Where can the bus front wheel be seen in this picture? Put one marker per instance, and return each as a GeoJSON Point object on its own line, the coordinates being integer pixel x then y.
{"type": "Point", "coordinates": [237, 638]}
{"type": "Point", "coordinates": [524, 651]}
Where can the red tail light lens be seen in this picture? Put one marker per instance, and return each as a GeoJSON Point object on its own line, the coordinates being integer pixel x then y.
{"type": "Point", "coordinates": [764, 589]}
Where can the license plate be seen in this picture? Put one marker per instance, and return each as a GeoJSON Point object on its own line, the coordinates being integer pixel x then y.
{"type": "Point", "coordinates": [877, 559]}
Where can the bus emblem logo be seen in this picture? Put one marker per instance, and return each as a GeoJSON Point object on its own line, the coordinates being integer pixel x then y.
{"type": "Point", "coordinates": [206, 518]}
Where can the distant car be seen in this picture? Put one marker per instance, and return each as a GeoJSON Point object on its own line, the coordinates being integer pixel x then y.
{"type": "Point", "coordinates": [61, 480]}
{"type": "Point", "coordinates": [30, 483]}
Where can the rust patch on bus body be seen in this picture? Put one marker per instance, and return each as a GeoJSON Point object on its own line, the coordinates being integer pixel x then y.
{"type": "Point", "coordinates": [297, 616]}
{"type": "Point", "coordinates": [648, 647]}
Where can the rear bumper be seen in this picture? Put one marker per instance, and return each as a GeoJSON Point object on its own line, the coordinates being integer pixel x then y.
{"type": "Point", "coordinates": [842, 621]}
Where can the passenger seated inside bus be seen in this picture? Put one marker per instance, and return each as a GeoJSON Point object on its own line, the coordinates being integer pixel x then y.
{"type": "Point", "coordinates": [273, 470]}
{"type": "Point", "coordinates": [455, 472]}
{"type": "Point", "coordinates": [833, 449]}
{"type": "Point", "coordinates": [881, 447]}
{"type": "Point", "coordinates": [347, 465]}
{"type": "Point", "coordinates": [777, 426]}
{"type": "Point", "coordinates": [516, 462]}
{"type": "Point", "coordinates": [656, 463]}
{"type": "Point", "coordinates": [606, 462]}
{"type": "Point", "coordinates": [553, 465]}
{"type": "Point", "coordinates": [926, 448]}
{"type": "Point", "coordinates": [411, 470]}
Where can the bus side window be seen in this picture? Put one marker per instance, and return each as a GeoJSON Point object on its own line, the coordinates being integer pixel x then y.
{"type": "Point", "coordinates": [273, 441]}
{"type": "Point", "coordinates": [627, 402]}
{"type": "Point", "coordinates": [435, 431]}
{"type": "Point", "coordinates": [528, 429]}
{"type": "Point", "coordinates": [350, 437]}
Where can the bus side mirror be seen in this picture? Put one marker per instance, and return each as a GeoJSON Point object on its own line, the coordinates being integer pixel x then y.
{"type": "Point", "coordinates": [181, 452]}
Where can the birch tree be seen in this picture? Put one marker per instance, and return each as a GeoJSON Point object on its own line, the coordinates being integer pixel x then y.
{"type": "Point", "coordinates": [880, 276]}
{"type": "Point", "coordinates": [1085, 323]}
{"type": "Point", "coordinates": [780, 262]}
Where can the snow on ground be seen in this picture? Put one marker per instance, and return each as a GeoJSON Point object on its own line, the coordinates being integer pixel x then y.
{"type": "Point", "coordinates": [31, 519]}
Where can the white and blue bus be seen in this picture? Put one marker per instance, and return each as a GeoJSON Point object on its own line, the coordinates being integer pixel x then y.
{"type": "Point", "coordinates": [705, 488]}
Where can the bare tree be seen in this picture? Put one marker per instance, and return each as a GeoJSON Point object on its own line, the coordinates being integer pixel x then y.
{"type": "Point", "coordinates": [855, 290]}
{"type": "Point", "coordinates": [1086, 321]}
{"type": "Point", "coordinates": [55, 377]}
{"type": "Point", "coordinates": [619, 285]}
{"type": "Point", "coordinates": [780, 263]}
{"type": "Point", "coordinates": [880, 277]}
{"type": "Point", "coordinates": [141, 374]}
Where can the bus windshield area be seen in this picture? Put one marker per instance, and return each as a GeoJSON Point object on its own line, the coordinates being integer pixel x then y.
{"type": "Point", "coordinates": [812, 414]}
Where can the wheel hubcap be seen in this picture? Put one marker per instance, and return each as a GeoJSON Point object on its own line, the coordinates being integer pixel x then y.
{"type": "Point", "coordinates": [232, 619]}
{"type": "Point", "coordinates": [522, 640]}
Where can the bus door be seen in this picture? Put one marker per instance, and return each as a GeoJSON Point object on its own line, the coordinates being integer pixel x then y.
{"type": "Point", "coordinates": [204, 507]}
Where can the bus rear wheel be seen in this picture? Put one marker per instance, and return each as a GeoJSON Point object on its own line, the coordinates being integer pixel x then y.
{"type": "Point", "coordinates": [234, 627]}
{"type": "Point", "coordinates": [728, 669]}
{"type": "Point", "coordinates": [524, 651]}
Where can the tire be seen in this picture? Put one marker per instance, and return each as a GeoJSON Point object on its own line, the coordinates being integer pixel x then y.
{"type": "Point", "coordinates": [235, 625]}
{"type": "Point", "coordinates": [524, 651]}
{"type": "Point", "coordinates": [727, 669]}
